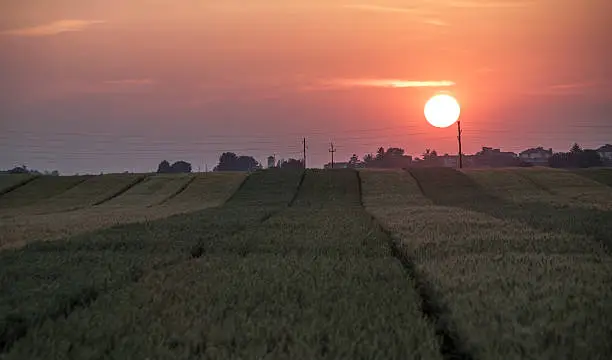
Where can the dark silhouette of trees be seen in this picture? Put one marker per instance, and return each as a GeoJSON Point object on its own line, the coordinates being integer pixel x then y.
{"type": "Point", "coordinates": [576, 158]}
{"type": "Point", "coordinates": [164, 167]}
{"type": "Point", "coordinates": [229, 161]}
{"type": "Point", "coordinates": [391, 158]}
{"type": "Point", "coordinates": [354, 162]}
{"type": "Point", "coordinates": [178, 167]}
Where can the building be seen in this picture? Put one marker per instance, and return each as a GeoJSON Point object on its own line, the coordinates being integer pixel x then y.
{"type": "Point", "coordinates": [605, 152]}
{"type": "Point", "coordinates": [271, 162]}
{"type": "Point", "coordinates": [490, 157]}
{"type": "Point", "coordinates": [536, 156]}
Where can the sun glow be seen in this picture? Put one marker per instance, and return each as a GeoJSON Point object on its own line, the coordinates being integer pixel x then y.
{"type": "Point", "coordinates": [442, 110]}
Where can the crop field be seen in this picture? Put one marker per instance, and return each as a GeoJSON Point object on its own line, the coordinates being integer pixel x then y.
{"type": "Point", "coordinates": [154, 198]}
{"type": "Point", "coordinates": [12, 181]}
{"type": "Point", "coordinates": [41, 188]}
{"type": "Point", "coordinates": [94, 190]}
{"type": "Point", "coordinates": [323, 264]}
{"type": "Point", "coordinates": [603, 176]}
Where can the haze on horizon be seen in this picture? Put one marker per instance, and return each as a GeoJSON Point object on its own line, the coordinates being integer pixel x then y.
{"type": "Point", "coordinates": [109, 85]}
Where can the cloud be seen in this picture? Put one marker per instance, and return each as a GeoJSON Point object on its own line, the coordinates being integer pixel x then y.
{"type": "Point", "coordinates": [377, 83]}
{"type": "Point", "coordinates": [490, 4]}
{"type": "Point", "coordinates": [54, 28]}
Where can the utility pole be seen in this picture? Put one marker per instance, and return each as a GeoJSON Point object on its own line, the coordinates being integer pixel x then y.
{"type": "Point", "coordinates": [304, 153]}
{"type": "Point", "coordinates": [459, 138]}
{"type": "Point", "coordinates": [332, 151]}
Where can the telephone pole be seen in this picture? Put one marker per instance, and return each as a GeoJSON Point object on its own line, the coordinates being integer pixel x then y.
{"type": "Point", "coordinates": [304, 153]}
{"type": "Point", "coordinates": [332, 151]}
{"type": "Point", "coordinates": [459, 138]}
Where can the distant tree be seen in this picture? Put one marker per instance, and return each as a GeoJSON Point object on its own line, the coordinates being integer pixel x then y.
{"type": "Point", "coordinates": [164, 167]}
{"type": "Point", "coordinates": [575, 149]}
{"type": "Point", "coordinates": [576, 158]}
{"type": "Point", "coordinates": [393, 157]}
{"type": "Point", "coordinates": [229, 161]}
{"type": "Point", "coordinates": [394, 152]}
{"type": "Point", "coordinates": [19, 170]}
{"type": "Point", "coordinates": [354, 161]}
{"type": "Point", "coordinates": [181, 167]}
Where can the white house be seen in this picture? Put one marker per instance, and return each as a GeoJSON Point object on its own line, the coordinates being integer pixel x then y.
{"type": "Point", "coordinates": [536, 156]}
{"type": "Point", "coordinates": [605, 152]}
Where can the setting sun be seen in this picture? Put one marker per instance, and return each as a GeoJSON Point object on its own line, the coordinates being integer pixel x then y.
{"type": "Point", "coordinates": [442, 111]}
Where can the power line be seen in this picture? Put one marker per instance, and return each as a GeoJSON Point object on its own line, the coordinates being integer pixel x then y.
{"type": "Point", "coordinates": [332, 151]}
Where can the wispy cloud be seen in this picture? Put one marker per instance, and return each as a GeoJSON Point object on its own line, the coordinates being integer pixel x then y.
{"type": "Point", "coordinates": [54, 28]}
{"type": "Point", "coordinates": [378, 8]}
{"type": "Point", "coordinates": [377, 83]}
{"type": "Point", "coordinates": [490, 4]}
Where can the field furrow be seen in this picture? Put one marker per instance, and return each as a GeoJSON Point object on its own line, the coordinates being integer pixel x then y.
{"type": "Point", "coordinates": [10, 182]}
{"type": "Point", "coordinates": [40, 188]}
{"type": "Point", "coordinates": [314, 281]}
{"type": "Point", "coordinates": [151, 191]}
{"type": "Point", "coordinates": [41, 282]}
{"type": "Point", "coordinates": [508, 290]}
{"type": "Point", "coordinates": [93, 191]}
{"type": "Point", "coordinates": [540, 210]}
{"type": "Point", "coordinates": [204, 192]}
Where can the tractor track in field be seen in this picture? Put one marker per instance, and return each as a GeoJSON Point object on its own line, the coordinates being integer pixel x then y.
{"type": "Point", "coordinates": [177, 192]}
{"type": "Point", "coordinates": [198, 251]}
{"type": "Point", "coordinates": [434, 311]}
{"type": "Point", "coordinates": [18, 185]}
{"type": "Point", "coordinates": [19, 327]}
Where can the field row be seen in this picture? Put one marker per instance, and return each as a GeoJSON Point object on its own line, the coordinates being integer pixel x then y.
{"type": "Point", "coordinates": [129, 198]}
{"type": "Point", "coordinates": [306, 283]}
{"type": "Point", "coordinates": [515, 276]}
{"type": "Point", "coordinates": [470, 264]}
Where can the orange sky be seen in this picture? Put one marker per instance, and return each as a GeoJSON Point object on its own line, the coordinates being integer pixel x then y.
{"type": "Point", "coordinates": [91, 85]}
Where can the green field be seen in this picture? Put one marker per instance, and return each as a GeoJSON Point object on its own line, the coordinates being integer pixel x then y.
{"type": "Point", "coordinates": [9, 183]}
{"type": "Point", "coordinates": [37, 190]}
{"type": "Point", "coordinates": [323, 264]}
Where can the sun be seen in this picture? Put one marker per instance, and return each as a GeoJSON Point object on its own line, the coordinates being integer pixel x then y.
{"type": "Point", "coordinates": [442, 110]}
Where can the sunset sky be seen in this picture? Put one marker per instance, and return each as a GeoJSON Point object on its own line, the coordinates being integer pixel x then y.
{"type": "Point", "coordinates": [114, 85]}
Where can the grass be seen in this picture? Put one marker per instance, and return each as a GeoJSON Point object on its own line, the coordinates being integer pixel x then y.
{"type": "Point", "coordinates": [152, 191]}
{"type": "Point", "coordinates": [601, 175]}
{"type": "Point", "coordinates": [10, 182]}
{"type": "Point", "coordinates": [479, 264]}
{"type": "Point", "coordinates": [44, 282]}
{"type": "Point", "coordinates": [315, 280]}
{"type": "Point", "coordinates": [547, 211]}
{"type": "Point", "coordinates": [132, 206]}
{"type": "Point", "coordinates": [39, 189]}
{"type": "Point", "coordinates": [94, 191]}
{"type": "Point", "coordinates": [507, 289]}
